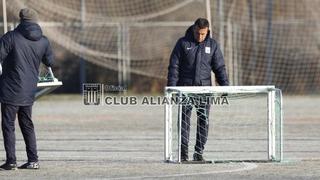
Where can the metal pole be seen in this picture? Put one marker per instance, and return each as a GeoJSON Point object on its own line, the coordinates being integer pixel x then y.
{"type": "Point", "coordinates": [269, 52]}
{"type": "Point", "coordinates": [4, 12]}
{"type": "Point", "coordinates": [51, 73]}
{"type": "Point", "coordinates": [208, 12]}
{"type": "Point", "coordinates": [221, 25]}
{"type": "Point", "coordinates": [229, 55]}
{"type": "Point", "coordinates": [126, 55]}
{"type": "Point", "coordinates": [281, 126]}
{"type": "Point", "coordinates": [82, 73]}
{"type": "Point", "coordinates": [128, 59]}
{"type": "Point", "coordinates": [254, 38]}
{"type": "Point", "coordinates": [271, 125]}
{"type": "Point", "coordinates": [168, 129]}
{"type": "Point", "coordinates": [5, 25]}
{"type": "Point", "coordinates": [220, 18]}
{"type": "Point", "coordinates": [119, 44]}
{"type": "Point", "coordinates": [123, 60]}
{"type": "Point", "coordinates": [235, 58]}
{"type": "Point", "coordinates": [179, 128]}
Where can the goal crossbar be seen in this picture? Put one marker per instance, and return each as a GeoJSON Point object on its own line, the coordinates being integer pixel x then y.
{"type": "Point", "coordinates": [220, 89]}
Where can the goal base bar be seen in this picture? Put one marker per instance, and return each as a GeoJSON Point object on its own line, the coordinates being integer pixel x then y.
{"type": "Point", "coordinates": [196, 162]}
{"type": "Point", "coordinates": [246, 161]}
{"type": "Point", "coordinates": [190, 162]}
{"type": "Point", "coordinates": [47, 87]}
{"type": "Point", "coordinates": [224, 161]}
{"type": "Point", "coordinates": [49, 84]}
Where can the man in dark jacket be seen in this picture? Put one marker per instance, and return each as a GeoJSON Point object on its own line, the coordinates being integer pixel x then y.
{"type": "Point", "coordinates": [192, 60]}
{"type": "Point", "coordinates": [21, 52]}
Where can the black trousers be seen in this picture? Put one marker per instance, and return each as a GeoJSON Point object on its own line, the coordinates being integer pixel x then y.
{"type": "Point", "coordinates": [8, 116]}
{"type": "Point", "coordinates": [202, 127]}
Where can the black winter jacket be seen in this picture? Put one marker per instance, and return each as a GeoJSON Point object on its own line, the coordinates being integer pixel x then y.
{"type": "Point", "coordinates": [191, 62]}
{"type": "Point", "coordinates": [21, 52]}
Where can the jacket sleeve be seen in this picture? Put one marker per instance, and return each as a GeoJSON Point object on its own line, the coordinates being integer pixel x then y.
{"type": "Point", "coordinates": [173, 69]}
{"type": "Point", "coordinates": [48, 57]}
{"type": "Point", "coordinates": [219, 68]}
{"type": "Point", "coordinates": [6, 44]}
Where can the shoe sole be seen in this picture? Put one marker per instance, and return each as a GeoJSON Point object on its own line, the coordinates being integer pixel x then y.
{"type": "Point", "coordinates": [13, 169]}
{"type": "Point", "coordinates": [30, 168]}
{"type": "Point", "coordinates": [196, 162]}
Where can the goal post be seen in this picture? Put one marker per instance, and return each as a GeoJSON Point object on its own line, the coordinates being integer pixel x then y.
{"type": "Point", "coordinates": [47, 82]}
{"type": "Point", "coordinates": [245, 122]}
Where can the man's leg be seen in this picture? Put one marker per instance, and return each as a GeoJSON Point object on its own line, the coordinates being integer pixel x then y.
{"type": "Point", "coordinates": [202, 127]}
{"type": "Point", "coordinates": [8, 115]}
{"type": "Point", "coordinates": [27, 129]}
{"type": "Point", "coordinates": [185, 130]}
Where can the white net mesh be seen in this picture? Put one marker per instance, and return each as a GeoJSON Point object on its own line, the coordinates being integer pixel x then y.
{"type": "Point", "coordinates": [273, 43]}
{"type": "Point", "coordinates": [106, 32]}
{"type": "Point", "coordinates": [264, 42]}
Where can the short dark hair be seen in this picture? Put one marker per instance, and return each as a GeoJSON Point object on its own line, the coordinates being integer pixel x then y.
{"type": "Point", "coordinates": [202, 23]}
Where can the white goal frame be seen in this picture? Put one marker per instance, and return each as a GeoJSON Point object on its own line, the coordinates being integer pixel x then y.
{"type": "Point", "coordinates": [271, 115]}
{"type": "Point", "coordinates": [47, 87]}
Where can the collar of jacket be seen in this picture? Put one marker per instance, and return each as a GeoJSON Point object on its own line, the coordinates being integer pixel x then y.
{"type": "Point", "coordinates": [30, 30]}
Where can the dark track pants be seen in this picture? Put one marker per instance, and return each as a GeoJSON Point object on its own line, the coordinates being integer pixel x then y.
{"type": "Point", "coordinates": [202, 128]}
{"type": "Point", "coordinates": [8, 115]}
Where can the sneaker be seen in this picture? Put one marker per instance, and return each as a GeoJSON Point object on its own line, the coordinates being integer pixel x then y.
{"type": "Point", "coordinates": [30, 165]}
{"type": "Point", "coordinates": [184, 158]}
{"type": "Point", "coordinates": [8, 166]}
{"type": "Point", "coordinates": [198, 157]}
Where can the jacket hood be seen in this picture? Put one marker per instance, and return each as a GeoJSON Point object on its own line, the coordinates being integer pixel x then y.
{"type": "Point", "coordinates": [189, 34]}
{"type": "Point", "coordinates": [30, 30]}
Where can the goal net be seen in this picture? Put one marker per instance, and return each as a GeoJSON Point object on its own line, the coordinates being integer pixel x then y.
{"type": "Point", "coordinates": [231, 123]}
{"type": "Point", "coordinates": [263, 42]}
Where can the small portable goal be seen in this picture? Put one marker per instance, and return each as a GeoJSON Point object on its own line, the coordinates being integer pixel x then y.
{"type": "Point", "coordinates": [245, 122]}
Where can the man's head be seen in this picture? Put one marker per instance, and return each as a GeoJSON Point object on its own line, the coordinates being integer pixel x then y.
{"type": "Point", "coordinates": [29, 15]}
{"type": "Point", "coordinates": [200, 29]}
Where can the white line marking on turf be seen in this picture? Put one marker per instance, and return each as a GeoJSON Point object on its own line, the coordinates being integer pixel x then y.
{"type": "Point", "coordinates": [247, 167]}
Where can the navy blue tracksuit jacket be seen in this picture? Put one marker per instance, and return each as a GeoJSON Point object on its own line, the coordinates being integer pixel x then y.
{"type": "Point", "coordinates": [21, 52]}
{"type": "Point", "coordinates": [191, 62]}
